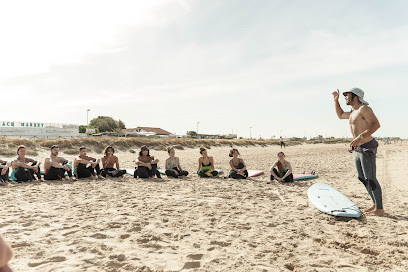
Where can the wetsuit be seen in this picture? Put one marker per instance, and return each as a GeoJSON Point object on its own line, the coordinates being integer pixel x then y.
{"type": "Point", "coordinates": [235, 175]}
{"type": "Point", "coordinates": [170, 172]}
{"type": "Point", "coordinates": [109, 172]}
{"type": "Point", "coordinates": [5, 177]}
{"type": "Point", "coordinates": [289, 178]}
{"type": "Point", "coordinates": [54, 173]}
{"type": "Point", "coordinates": [207, 170]}
{"type": "Point", "coordinates": [145, 172]}
{"type": "Point", "coordinates": [365, 159]}
{"type": "Point", "coordinates": [81, 171]}
{"type": "Point", "coordinates": [21, 174]}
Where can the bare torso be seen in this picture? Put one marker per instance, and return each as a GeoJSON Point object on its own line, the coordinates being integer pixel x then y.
{"type": "Point", "coordinates": [51, 159]}
{"type": "Point", "coordinates": [110, 161]}
{"type": "Point", "coordinates": [358, 124]}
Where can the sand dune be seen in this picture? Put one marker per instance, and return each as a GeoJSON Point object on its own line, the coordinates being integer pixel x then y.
{"type": "Point", "coordinates": [195, 224]}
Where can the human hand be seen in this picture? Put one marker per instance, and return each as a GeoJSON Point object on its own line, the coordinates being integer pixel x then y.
{"type": "Point", "coordinates": [356, 142]}
{"type": "Point", "coordinates": [336, 95]}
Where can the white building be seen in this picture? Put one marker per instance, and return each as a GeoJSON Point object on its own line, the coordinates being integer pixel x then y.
{"type": "Point", "coordinates": [38, 130]}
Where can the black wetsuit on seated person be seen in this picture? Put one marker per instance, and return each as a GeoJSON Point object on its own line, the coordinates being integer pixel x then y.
{"type": "Point", "coordinates": [205, 173]}
{"type": "Point", "coordinates": [109, 172]}
{"type": "Point", "coordinates": [5, 177]}
{"type": "Point", "coordinates": [22, 174]}
{"type": "Point", "coordinates": [54, 173]}
{"type": "Point", "coordinates": [289, 178]}
{"type": "Point", "coordinates": [81, 171]}
{"type": "Point", "coordinates": [170, 172]}
{"type": "Point", "coordinates": [235, 175]}
{"type": "Point", "coordinates": [144, 171]}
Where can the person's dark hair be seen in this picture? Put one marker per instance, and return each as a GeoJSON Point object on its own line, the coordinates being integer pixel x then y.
{"type": "Point", "coordinates": [202, 149]}
{"type": "Point", "coordinates": [144, 148]}
{"type": "Point", "coordinates": [169, 148]}
{"type": "Point", "coordinates": [279, 164]}
{"type": "Point", "coordinates": [106, 149]}
{"type": "Point", "coordinates": [232, 152]}
{"type": "Point", "coordinates": [82, 148]}
{"type": "Point", "coordinates": [20, 147]}
{"type": "Point", "coordinates": [54, 146]}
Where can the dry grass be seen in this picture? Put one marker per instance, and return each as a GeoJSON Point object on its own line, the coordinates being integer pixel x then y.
{"type": "Point", "coordinates": [7, 152]}
{"type": "Point", "coordinates": [68, 146]}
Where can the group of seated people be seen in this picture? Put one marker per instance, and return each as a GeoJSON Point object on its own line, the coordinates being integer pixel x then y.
{"type": "Point", "coordinates": [58, 168]}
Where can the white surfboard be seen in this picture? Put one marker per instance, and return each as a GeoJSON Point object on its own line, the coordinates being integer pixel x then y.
{"type": "Point", "coordinates": [328, 200]}
{"type": "Point", "coordinates": [255, 173]}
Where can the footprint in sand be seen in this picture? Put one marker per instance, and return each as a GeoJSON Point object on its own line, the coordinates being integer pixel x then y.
{"type": "Point", "coordinates": [55, 259]}
{"type": "Point", "coordinates": [99, 236]}
{"type": "Point", "coordinates": [191, 265]}
{"type": "Point", "coordinates": [195, 256]}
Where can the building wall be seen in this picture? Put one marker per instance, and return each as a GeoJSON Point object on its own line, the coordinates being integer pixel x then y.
{"type": "Point", "coordinates": [44, 133]}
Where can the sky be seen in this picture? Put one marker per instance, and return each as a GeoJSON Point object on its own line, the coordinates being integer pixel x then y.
{"type": "Point", "coordinates": [255, 68]}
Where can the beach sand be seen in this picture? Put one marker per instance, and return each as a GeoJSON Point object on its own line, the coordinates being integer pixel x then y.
{"type": "Point", "coordinates": [195, 224]}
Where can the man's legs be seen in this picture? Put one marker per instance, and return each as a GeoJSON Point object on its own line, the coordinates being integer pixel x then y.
{"type": "Point", "coordinates": [366, 170]}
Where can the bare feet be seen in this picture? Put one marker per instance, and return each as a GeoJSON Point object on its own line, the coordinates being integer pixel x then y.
{"type": "Point", "coordinates": [377, 212]}
{"type": "Point", "coordinates": [370, 209]}
{"type": "Point", "coordinates": [94, 178]}
{"type": "Point", "coordinates": [100, 177]}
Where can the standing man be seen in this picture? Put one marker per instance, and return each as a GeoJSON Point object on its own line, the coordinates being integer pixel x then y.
{"type": "Point", "coordinates": [363, 124]}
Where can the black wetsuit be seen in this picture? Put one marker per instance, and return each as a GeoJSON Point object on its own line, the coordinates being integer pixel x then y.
{"type": "Point", "coordinates": [170, 172]}
{"type": "Point", "coordinates": [289, 178]}
{"type": "Point", "coordinates": [205, 173]}
{"type": "Point", "coordinates": [109, 172]}
{"type": "Point", "coordinates": [5, 177]}
{"type": "Point", "coordinates": [234, 174]}
{"type": "Point", "coordinates": [24, 174]}
{"type": "Point", "coordinates": [57, 173]}
{"type": "Point", "coordinates": [85, 172]}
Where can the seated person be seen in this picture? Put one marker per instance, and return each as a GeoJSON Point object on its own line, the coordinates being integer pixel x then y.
{"type": "Point", "coordinates": [5, 256]}
{"type": "Point", "coordinates": [110, 164]}
{"type": "Point", "coordinates": [4, 172]}
{"type": "Point", "coordinates": [25, 169]}
{"type": "Point", "coordinates": [146, 164]}
{"type": "Point", "coordinates": [206, 165]}
{"type": "Point", "coordinates": [55, 167]}
{"type": "Point", "coordinates": [284, 172]}
{"type": "Point", "coordinates": [173, 167]}
{"type": "Point", "coordinates": [85, 166]}
{"type": "Point", "coordinates": [238, 167]}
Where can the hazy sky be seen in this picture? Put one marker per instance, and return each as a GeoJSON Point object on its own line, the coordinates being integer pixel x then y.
{"type": "Point", "coordinates": [230, 65]}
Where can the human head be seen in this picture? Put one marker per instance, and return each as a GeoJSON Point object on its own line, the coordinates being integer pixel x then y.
{"type": "Point", "coordinates": [109, 150]}
{"type": "Point", "coordinates": [234, 153]}
{"type": "Point", "coordinates": [352, 93]}
{"type": "Point", "coordinates": [54, 150]}
{"type": "Point", "coordinates": [171, 151]}
{"type": "Point", "coordinates": [82, 151]}
{"type": "Point", "coordinates": [203, 151]}
{"type": "Point", "coordinates": [281, 156]}
{"type": "Point", "coordinates": [21, 150]}
{"type": "Point", "coordinates": [144, 151]}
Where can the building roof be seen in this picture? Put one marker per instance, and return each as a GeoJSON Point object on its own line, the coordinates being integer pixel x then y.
{"type": "Point", "coordinates": [158, 131]}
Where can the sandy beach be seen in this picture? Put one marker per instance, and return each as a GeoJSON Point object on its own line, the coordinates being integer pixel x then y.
{"type": "Point", "coordinates": [217, 224]}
